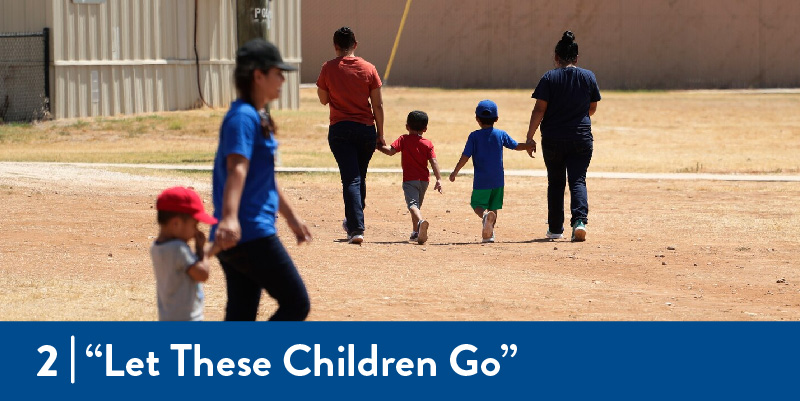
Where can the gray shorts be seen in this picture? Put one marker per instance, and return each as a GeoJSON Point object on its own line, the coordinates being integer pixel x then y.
{"type": "Point", "coordinates": [415, 192]}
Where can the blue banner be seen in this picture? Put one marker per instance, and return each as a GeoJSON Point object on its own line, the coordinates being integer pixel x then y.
{"type": "Point", "coordinates": [394, 360]}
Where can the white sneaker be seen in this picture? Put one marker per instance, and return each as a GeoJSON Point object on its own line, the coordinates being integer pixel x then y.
{"type": "Point", "coordinates": [355, 239]}
{"type": "Point", "coordinates": [488, 224]}
{"type": "Point", "coordinates": [422, 227]}
{"type": "Point", "coordinates": [554, 236]}
{"type": "Point", "coordinates": [414, 236]}
{"type": "Point", "coordinates": [489, 240]}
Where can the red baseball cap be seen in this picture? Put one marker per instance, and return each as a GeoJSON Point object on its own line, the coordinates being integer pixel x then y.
{"type": "Point", "coordinates": [184, 200]}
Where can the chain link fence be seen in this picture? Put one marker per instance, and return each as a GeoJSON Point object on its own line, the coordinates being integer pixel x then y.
{"type": "Point", "coordinates": [24, 76]}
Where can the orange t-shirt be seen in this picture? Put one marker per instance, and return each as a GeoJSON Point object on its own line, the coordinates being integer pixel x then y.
{"type": "Point", "coordinates": [349, 81]}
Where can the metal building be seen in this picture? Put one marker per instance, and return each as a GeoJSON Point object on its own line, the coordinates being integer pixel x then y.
{"type": "Point", "coordinates": [111, 57]}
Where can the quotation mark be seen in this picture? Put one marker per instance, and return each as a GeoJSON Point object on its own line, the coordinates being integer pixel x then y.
{"type": "Point", "coordinates": [505, 349]}
{"type": "Point", "coordinates": [98, 353]}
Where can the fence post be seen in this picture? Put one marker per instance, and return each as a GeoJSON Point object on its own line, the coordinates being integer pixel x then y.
{"type": "Point", "coordinates": [46, 32]}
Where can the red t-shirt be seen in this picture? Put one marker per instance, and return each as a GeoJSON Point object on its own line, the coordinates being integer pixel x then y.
{"type": "Point", "coordinates": [415, 153]}
{"type": "Point", "coordinates": [349, 81]}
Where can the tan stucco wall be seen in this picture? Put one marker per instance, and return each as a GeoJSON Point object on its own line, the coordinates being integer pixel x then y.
{"type": "Point", "coordinates": [629, 44]}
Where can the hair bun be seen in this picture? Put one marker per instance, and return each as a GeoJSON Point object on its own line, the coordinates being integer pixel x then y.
{"type": "Point", "coordinates": [568, 37]}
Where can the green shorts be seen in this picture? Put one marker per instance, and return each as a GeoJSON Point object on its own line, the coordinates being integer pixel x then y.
{"type": "Point", "coordinates": [491, 199]}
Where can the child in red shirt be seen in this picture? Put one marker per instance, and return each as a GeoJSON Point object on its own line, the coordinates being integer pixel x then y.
{"type": "Point", "coordinates": [416, 153]}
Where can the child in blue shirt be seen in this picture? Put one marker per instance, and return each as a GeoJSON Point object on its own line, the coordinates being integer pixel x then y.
{"type": "Point", "coordinates": [485, 147]}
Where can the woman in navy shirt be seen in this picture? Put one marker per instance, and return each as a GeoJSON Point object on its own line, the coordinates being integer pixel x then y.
{"type": "Point", "coordinates": [247, 199]}
{"type": "Point", "coordinates": [566, 98]}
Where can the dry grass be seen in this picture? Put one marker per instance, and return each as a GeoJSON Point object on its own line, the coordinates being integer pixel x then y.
{"type": "Point", "coordinates": [692, 131]}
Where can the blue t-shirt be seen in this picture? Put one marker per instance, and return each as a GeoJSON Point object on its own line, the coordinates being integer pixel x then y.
{"type": "Point", "coordinates": [485, 147]}
{"type": "Point", "coordinates": [568, 93]}
{"type": "Point", "coordinates": [241, 133]}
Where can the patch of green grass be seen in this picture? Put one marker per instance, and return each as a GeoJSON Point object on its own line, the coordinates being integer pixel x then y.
{"type": "Point", "coordinates": [80, 124]}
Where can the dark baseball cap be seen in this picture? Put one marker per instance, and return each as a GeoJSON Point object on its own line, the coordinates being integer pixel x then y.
{"type": "Point", "coordinates": [486, 109]}
{"type": "Point", "coordinates": [264, 53]}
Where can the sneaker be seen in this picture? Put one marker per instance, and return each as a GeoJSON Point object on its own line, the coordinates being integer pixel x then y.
{"type": "Point", "coordinates": [355, 239]}
{"type": "Point", "coordinates": [488, 224]}
{"type": "Point", "coordinates": [413, 236]}
{"type": "Point", "coordinates": [422, 227]}
{"type": "Point", "coordinates": [555, 236]}
{"type": "Point", "coordinates": [579, 231]}
{"type": "Point", "coordinates": [489, 240]}
{"type": "Point", "coordinates": [344, 225]}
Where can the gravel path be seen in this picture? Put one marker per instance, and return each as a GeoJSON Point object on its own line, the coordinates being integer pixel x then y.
{"type": "Point", "coordinates": [98, 174]}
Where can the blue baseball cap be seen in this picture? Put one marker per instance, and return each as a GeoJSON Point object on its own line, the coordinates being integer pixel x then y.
{"type": "Point", "coordinates": [487, 109]}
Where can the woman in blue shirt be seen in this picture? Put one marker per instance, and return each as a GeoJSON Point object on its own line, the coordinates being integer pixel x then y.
{"type": "Point", "coordinates": [566, 98]}
{"type": "Point", "coordinates": [247, 198]}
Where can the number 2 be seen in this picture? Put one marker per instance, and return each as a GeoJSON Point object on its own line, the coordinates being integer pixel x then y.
{"type": "Point", "coordinates": [45, 370]}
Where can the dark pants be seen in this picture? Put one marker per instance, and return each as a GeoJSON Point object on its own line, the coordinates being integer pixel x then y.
{"type": "Point", "coordinates": [352, 145]}
{"type": "Point", "coordinates": [566, 161]}
{"type": "Point", "coordinates": [262, 264]}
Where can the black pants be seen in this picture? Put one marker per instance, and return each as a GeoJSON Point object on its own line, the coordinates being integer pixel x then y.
{"type": "Point", "coordinates": [263, 264]}
{"type": "Point", "coordinates": [567, 162]}
{"type": "Point", "coordinates": [352, 145]}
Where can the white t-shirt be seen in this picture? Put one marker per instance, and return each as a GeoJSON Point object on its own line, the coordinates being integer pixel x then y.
{"type": "Point", "coordinates": [179, 296]}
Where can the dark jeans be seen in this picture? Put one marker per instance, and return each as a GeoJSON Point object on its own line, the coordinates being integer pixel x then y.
{"type": "Point", "coordinates": [352, 145]}
{"type": "Point", "coordinates": [262, 264]}
{"type": "Point", "coordinates": [566, 160]}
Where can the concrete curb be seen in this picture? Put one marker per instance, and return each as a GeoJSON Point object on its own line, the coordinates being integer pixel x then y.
{"type": "Point", "coordinates": [515, 173]}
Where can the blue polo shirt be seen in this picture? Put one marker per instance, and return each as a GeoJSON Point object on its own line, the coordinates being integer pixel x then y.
{"type": "Point", "coordinates": [485, 147]}
{"type": "Point", "coordinates": [241, 134]}
{"type": "Point", "coordinates": [568, 93]}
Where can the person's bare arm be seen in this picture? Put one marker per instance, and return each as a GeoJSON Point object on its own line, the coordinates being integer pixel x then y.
{"type": "Point", "coordinates": [528, 146]}
{"type": "Point", "coordinates": [437, 174]}
{"type": "Point", "coordinates": [388, 150]}
{"type": "Point", "coordinates": [536, 119]}
{"type": "Point", "coordinates": [592, 108]}
{"type": "Point", "coordinates": [211, 249]}
{"type": "Point", "coordinates": [461, 162]}
{"type": "Point", "coordinates": [229, 230]}
{"type": "Point", "coordinates": [198, 271]}
{"type": "Point", "coordinates": [323, 95]}
{"type": "Point", "coordinates": [298, 227]}
{"type": "Point", "coordinates": [376, 100]}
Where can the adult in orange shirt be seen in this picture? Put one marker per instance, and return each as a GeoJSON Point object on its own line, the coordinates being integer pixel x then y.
{"type": "Point", "coordinates": [351, 87]}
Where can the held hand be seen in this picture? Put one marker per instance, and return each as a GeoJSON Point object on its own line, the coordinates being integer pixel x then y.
{"type": "Point", "coordinates": [453, 176]}
{"type": "Point", "coordinates": [300, 230]}
{"type": "Point", "coordinates": [532, 149]}
{"type": "Point", "coordinates": [229, 232]}
{"type": "Point", "coordinates": [438, 186]}
{"type": "Point", "coordinates": [380, 142]}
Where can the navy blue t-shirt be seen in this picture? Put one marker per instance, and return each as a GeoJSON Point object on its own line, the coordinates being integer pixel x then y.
{"type": "Point", "coordinates": [568, 93]}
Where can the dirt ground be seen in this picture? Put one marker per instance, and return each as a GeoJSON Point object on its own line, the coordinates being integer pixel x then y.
{"type": "Point", "coordinates": [76, 239]}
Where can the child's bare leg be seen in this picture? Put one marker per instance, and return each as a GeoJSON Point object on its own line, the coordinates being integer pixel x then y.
{"type": "Point", "coordinates": [416, 216]}
{"type": "Point", "coordinates": [488, 224]}
{"type": "Point", "coordinates": [479, 211]}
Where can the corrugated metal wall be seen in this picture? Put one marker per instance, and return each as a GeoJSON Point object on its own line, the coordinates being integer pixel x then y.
{"type": "Point", "coordinates": [24, 16]}
{"type": "Point", "coordinates": [285, 33]}
{"type": "Point", "coordinates": [137, 56]}
{"type": "Point", "coordinates": [630, 44]}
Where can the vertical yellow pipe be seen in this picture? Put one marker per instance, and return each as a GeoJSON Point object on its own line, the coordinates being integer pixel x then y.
{"type": "Point", "coordinates": [397, 41]}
